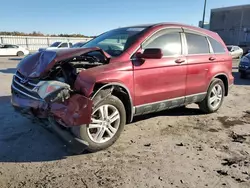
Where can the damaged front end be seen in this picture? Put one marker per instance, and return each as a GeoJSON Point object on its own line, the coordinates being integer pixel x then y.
{"type": "Point", "coordinates": [51, 99]}
{"type": "Point", "coordinates": [45, 89]}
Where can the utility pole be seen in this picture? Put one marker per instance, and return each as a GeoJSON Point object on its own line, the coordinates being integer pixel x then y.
{"type": "Point", "coordinates": [204, 13]}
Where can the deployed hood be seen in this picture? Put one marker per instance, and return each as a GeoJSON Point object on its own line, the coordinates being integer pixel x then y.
{"type": "Point", "coordinates": [36, 65]}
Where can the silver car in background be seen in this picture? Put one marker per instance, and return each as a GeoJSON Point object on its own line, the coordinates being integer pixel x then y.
{"type": "Point", "coordinates": [235, 51]}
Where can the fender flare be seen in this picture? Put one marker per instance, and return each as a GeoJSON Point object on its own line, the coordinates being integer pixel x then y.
{"type": "Point", "coordinates": [120, 85]}
{"type": "Point", "coordinates": [215, 77]}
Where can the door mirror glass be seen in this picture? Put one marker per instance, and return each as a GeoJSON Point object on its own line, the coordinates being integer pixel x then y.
{"type": "Point", "coordinates": [150, 53]}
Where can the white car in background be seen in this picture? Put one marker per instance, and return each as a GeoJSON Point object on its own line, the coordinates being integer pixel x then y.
{"type": "Point", "coordinates": [235, 51]}
{"type": "Point", "coordinates": [57, 45]}
{"type": "Point", "coordinates": [10, 50]}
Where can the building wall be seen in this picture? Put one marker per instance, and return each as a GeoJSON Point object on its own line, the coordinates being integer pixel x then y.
{"type": "Point", "coordinates": [230, 22]}
{"type": "Point", "coordinates": [34, 43]}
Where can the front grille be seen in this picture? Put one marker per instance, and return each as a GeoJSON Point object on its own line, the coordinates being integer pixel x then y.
{"type": "Point", "coordinates": [24, 86]}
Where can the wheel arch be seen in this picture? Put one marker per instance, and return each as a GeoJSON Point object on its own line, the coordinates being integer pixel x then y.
{"type": "Point", "coordinates": [19, 51]}
{"type": "Point", "coordinates": [122, 92]}
{"type": "Point", "coordinates": [224, 78]}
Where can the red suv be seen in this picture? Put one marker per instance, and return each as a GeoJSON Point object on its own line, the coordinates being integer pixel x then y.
{"type": "Point", "coordinates": [88, 94]}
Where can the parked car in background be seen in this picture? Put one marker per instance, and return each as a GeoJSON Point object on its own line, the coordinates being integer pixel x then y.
{"type": "Point", "coordinates": [10, 50]}
{"type": "Point", "coordinates": [78, 44]}
{"type": "Point", "coordinates": [90, 93]}
{"type": "Point", "coordinates": [57, 45]}
{"type": "Point", "coordinates": [245, 47]}
{"type": "Point", "coordinates": [244, 66]}
{"type": "Point", "coordinates": [235, 51]}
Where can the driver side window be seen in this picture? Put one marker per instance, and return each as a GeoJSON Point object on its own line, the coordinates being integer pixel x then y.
{"type": "Point", "coordinates": [63, 45]}
{"type": "Point", "coordinates": [169, 43]}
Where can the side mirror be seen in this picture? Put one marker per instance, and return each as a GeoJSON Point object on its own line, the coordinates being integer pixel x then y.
{"type": "Point", "coordinates": [151, 53]}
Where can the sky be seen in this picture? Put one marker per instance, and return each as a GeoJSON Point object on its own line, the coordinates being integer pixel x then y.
{"type": "Point", "coordinates": [92, 17]}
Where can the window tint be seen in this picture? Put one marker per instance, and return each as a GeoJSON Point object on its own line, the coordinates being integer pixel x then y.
{"type": "Point", "coordinates": [217, 47]}
{"type": "Point", "coordinates": [63, 45]}
{"type": "Point", "coordinates": [170, 43]}
{"type": "Point", "coordinates": [197, 44]}
{"type": "Point", "coordinates": [9, 46]}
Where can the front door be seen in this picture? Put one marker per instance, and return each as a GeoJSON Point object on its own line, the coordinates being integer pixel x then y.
{"type": "Point", "coordinates": [160, 83]}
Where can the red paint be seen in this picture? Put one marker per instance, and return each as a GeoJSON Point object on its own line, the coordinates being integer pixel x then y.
{"type": "Point", "coordinates": [159, 79]}
{"type": "Point", "coordinates": [147, 81]}
{"type": "Point", "coordinates": [38, 64]}
{"type": "Point", "coordinates": [75, 111]}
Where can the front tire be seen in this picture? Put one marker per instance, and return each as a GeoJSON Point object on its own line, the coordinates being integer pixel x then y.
{"type": "Point", "coordinates": [108, 120]}
{"type": "Point", "coordinates": [214, 98]}
{"type": "Point", "coordinates": [20, 53]}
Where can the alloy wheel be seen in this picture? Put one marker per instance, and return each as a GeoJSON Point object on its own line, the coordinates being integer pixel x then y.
{"type": "Point", "coordinates": [104, 124]}
{"type": "Point", "coordinates": [215, 96]}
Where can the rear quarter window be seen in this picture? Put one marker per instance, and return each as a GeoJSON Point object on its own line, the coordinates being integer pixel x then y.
{"type": "Point", "coordinates": [217, 46]}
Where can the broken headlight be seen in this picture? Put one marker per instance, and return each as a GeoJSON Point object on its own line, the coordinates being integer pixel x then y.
{"type": "Point", "coordinates": [53, 91]}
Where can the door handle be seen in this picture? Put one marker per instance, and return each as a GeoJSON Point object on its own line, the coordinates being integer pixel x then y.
{"type": "Point", "coordinates": [179, 60]}
{"type": "Point", "coordinates": [212, 58]}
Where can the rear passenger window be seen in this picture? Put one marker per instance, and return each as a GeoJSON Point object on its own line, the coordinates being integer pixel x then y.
{"type": "Point", "coordinates": [197, 44]}
{"type": "Point", "coordinates": [170, 43]}
{"type": "Point", "coordinates": [64, 45]}
{"type": "Point", "coordinates": [217, 47]}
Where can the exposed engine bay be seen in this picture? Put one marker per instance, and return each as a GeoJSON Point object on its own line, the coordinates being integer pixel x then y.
{"type": "Point", "coordinates": [67, 70]}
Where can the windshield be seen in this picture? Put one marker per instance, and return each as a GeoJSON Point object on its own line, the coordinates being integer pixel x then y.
{"type": "Point", "coordinates": [55, 44]}
{"type": "Point", "coordinates": [115, 42]}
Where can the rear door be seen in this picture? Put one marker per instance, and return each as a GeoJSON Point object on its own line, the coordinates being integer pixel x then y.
{"type": "Point", "coordinates": [223, 61]}
{"type": "Point", "coordinates": [199, 57]}
{"type": "Point", "coordinates": [158, 81]}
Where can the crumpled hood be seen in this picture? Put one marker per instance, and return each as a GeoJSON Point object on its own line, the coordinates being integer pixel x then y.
{"type": "Point", "coordinates": [37, 64]}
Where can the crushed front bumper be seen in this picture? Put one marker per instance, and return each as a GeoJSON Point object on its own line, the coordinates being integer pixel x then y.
{"type": "Point", "coordinates": [58, 117]}
{"type": "Point", "coordinates": [74, 111]}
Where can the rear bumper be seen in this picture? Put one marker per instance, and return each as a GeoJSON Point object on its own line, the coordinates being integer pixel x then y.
{"type": "Point", "coordinates": [26, 52]}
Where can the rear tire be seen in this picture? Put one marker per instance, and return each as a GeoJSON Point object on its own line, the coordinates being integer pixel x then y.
{"type": "Point", "coordinates": [214, 98]}
{"type": "Point", "coordinates": [91, 134]}
{"type": "Point", "coordinates": [20, 53]}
